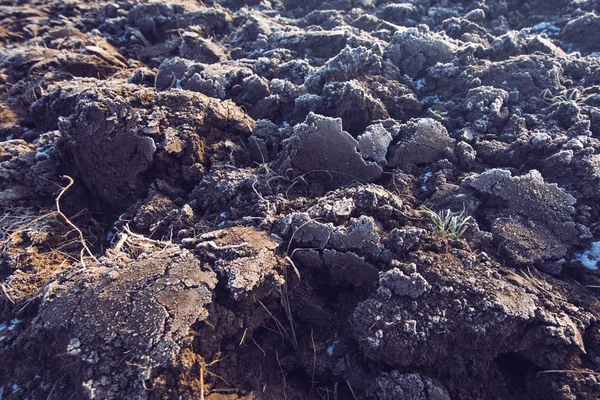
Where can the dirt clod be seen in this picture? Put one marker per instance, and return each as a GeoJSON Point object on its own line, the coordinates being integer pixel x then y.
{"type": "Point", "coordinates": [286, 199]}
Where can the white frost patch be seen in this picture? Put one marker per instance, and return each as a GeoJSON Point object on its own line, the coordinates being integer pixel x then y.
{"type": "Point", "coordinates": [13, 323]}
{"type": "Point", "coordinates": [89, 389]}
{"type": "Point", "coordinates": [545, 27]}
{"type": "Point", "coordinates": [73, 348]}
{"type": "Point", "coordinates": [330, 348]}
{"type": "Point", "coordinates": [435, 98]}
{"type": "Point", "coordinates": [41, 155]}
{"type": "Point", "coordinates": [420, 84]}
{"type": "Point", "coordinates": [375, 341]}
{"type": "Point", "coordinates": [425, 177]}
{"type": "Point", "coordinates": [590, 257]}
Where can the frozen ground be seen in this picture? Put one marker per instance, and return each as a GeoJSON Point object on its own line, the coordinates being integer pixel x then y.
{"type": "Point", "coordinates": [238, 199]}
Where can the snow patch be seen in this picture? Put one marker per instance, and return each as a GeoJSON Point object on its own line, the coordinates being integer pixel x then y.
{"type": "Point", "coordinates": [547, 27]}
{"type": "Point", "coordinates": [425, 177]}
{"type": "Point", "coordinates": [590, 257]}
{"type": "Point", "coordinates": [330, 348]}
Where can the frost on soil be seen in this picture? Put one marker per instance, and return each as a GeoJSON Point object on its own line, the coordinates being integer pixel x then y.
{"type": "Point", "coordinates": [249, 175]}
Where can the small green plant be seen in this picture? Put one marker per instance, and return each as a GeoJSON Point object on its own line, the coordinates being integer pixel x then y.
{"type": "Point", "coordinates": [448, 222]}
{"type": "Point", "coordinates": [567, 95]}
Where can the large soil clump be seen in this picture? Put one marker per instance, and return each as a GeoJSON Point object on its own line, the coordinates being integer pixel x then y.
{"type": "Point", "coordinates": [299, 200]}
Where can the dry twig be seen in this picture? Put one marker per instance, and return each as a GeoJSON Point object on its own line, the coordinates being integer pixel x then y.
{"type": "Point", "coordinates": [72, 225]}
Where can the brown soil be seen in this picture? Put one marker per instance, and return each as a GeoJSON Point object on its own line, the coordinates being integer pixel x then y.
{"type": "Point", "coordinates": [256, 193]}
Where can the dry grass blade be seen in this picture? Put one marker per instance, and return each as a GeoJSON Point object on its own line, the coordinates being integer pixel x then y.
{"type": "Point", "coordinates": [287, 251]}
{"type": "Point", "coordinates": [16, 222]}
{"type": "Point", "coordinates": [132, 235]}
{"type": "Point", "coordinates": [38, 244]}
{"type": "Point", "coordinates": [312, 381]}
{"type": "Point", "coordinates": [285, 303]}
{"type": "Point", "coordinates": [27, 239]}
{"type": "Point", "coordinates": [283, 332]}
{"type": "Point", "coordinates": [568, 371]}
{"type": "Point", "coordinates": [260, 348]}
{"type": "Point", "coordinates": [201, 382]}
{"type": "Point", "coordinates": [284, 296]}
{"type": "Point", "coordinates": [282, 375]}
{"type": "Point", "coordinates": [293, 179]}
{"type": "Point", "coordinates": [351, 390]}
{"type": "Point", "coordinates": [243, 337]}
{"type": "Point", "coordinates": [6, 293]}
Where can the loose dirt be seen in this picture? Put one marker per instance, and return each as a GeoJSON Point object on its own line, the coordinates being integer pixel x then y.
{"type": "Point", "coordinates": [255, 191]}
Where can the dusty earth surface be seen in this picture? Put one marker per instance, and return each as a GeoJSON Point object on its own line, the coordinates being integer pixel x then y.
{"type": "Point", "coordinates": [225, 199]}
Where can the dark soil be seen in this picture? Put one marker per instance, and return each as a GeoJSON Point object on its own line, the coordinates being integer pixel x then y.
{"type": "Point", "coordinates": [255, 187]}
